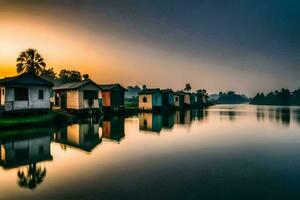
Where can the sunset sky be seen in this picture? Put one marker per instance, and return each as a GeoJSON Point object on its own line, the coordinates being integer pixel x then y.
{"type": "Point", "coordinates": [248, 46]}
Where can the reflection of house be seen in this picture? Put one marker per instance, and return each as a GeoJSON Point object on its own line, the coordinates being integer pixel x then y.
{"type": "Point", "coordinates": [84, 136]}
{"type": "Point", "coordinates": [187, 117]}
{"type": "Point", "coordinates": [150, 122]}
{"type": "Point", "coordinates": [150, 99]}
{"type": "Point", "coordinates": [194, 100]}
{"type": "Point", "coordinates": [25, 91]}
{"type": "Point", "coordinates": [19, 151]}
{"type": "Point", "coordinates": [182, 117]}
{"type": "Point", "coordinates": [112, 97]}
{"type": "Point", "coordinates": [113, 128]}
{"type": "Point", "coordinates": [168, 98]}
{"type": "Point", "coordinates": [77, 95]}
{"type": "Point", "coordinates": [167, 120]}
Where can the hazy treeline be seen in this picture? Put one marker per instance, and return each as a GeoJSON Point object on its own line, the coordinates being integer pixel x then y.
{"type": "Point", "coordinates": [228, 98]}
{"type": "Point", "coordinates": [282, 97]}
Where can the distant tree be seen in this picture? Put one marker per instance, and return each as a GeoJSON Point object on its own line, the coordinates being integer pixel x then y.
{"type": "Point", "coordinates": [48, 74]}
{"type": "Point", "coordinates": [188, 87]}
{"type": "Point", "coordinates": [85, 77]}
{"type": "Point", "coordinates": [30, 61]}
{"type": "Point", "coordinates": [144, 87]}
{"type": "Point", "coordinates": [66, 76]}
{"type": "Point", "coordinates": [282, 97]}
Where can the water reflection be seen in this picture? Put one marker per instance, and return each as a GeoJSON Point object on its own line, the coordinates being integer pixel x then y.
{"type": "Point", "coordinates": [168, 120]}
{"type": "Point", "coordinates": [153, 122]}
{"type": "Point", "coordinates": [84, 135]}
{"type": "Point", "coordinates": [296, 115]}
{"type": "Point", "coordinates": [279, 115]}
{"type": "Point", "coordinates": [113, 128]}
{"type": "Point", "coordinates": [262, 145]}
{"type": "Point", "coordinates": [26, 151]}
{"type": "Point", "coordinates": [150, 122]}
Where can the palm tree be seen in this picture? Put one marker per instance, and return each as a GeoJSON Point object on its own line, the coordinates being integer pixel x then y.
{"type": "Point", "coordinates": [30, 61]}
{"type": "Point", "coordinates": [34, 176]}
{"type": "Point", "coordinates": [188, 87]}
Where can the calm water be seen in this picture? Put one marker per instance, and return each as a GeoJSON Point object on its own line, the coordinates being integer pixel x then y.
{"type": "Point", "coordinates": [224, 152]}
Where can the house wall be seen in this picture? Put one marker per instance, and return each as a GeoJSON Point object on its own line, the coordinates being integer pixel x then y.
{"type": "Point", "coordinates": [2, 95]}
{"type": "Point", "coordinates": [83, 104]}
{"type": "Point", "coordinates": [117, 98]}
{"type": "Point", "coordinates": [187, 99]}
{"type": "Point", "coordinates": [73, 99]}
{"type": "Point", "coordinates": [145, 105]}
{"type": "Point", "coordinates": [106, 98]}
{"type": "Point", "coordinates": [157, 99]}
{"type": "Point", "coordinates": [171, 99]}
{"type": "Point", "coordinates": [33, 99]}
{"type": "Point", "coordinates": [176, 103]}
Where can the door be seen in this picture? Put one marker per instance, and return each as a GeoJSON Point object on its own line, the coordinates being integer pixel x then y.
{"type": "Point", "coordinates": [63, 100]}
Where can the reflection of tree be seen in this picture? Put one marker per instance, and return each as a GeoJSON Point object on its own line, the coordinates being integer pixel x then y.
{"type": "Point", "coordinates": [63, 147]}
{"type": "Point", "coordinates": [34, 176]}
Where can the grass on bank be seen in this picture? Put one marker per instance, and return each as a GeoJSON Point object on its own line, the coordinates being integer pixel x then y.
{"type": "Point", "coordinates": [47, 119]}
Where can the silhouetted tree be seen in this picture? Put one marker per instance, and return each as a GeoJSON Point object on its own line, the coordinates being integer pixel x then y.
{"type": "Point", "coordinates": [144, 87]}
{"type": "Point", "coordinates": [30, 61]}
{"type": "Point", "coordinates": [231, 98]}
{"type": "Point", "coordinates": [188, 87]}
{"type": "Point", "coordinates": [66, 76]}
{"type": "Point", "coordinates": [48, 74]}
{"type": "Point", "coordinates": [282, 97]}
{"type": "Point", "coordinates": [85, 77]}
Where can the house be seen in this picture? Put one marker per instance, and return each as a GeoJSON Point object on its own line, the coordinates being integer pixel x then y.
{"type": "Point", "coordinates": [19, 151]}
{"type": "Point", "coordinates": [195, 101]}
{"type": "Point", "coordinates": [179, 100]}
{"type": "Point", "coordinates": [78, 96]}
{"type": "Point", "coordinates": [168, 98]}
{"type": "Point", "coordinates": [150, 99]}
{"type": "Point", "coordinates": [113, 128]}
{"type": "Point", "coordinates": [150, 122]}
{"type": "Point", "coordinates": [112, 97]}
{"type": "Point", "coordinates": [26, 91]}
{"type": "Point", "coordinates": [84, 136]}
{"type": "Point", "coordinates": [198, 100]}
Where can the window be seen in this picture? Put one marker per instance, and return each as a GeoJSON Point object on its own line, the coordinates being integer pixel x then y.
{"type": "Point", "coordinates": [21, 94]}
{"type": "Point", "coordinates": [41, 94]}
{"type": "Point", "coordinates": [3, 91]}
{"type": "Point", "coordinates": [90, 94]}
{"type": "Point", "coordinates": [144, 99]}
{"type": "Point", "coordinates": [176, 99]}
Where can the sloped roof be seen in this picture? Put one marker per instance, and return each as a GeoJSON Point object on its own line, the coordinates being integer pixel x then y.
{"type": "Point", "coordinates": [26, 78]}
{"type": "Point", "coordinates": [149, 91]}
{"type": "Point", "coordinates": [112, 87]}
{"type": "Point", "coordinates": [167, 91]}
{"type": "Point", "coordinates": [74, 85]}
{"type": "Point", "coordinates": [180, 93]}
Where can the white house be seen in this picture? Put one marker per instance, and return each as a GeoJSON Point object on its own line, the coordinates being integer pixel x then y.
{"type": "Point", "coordinates": [150, 99]}
{"type": "Point", "coordinates": [25, 92]}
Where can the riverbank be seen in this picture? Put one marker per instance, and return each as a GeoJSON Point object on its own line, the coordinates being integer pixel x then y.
{"type": "Point", "coordinates": [52, 118]}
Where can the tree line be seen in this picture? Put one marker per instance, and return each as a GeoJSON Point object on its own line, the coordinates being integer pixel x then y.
{"type": "Point", "coordinates": [31, 61]}
{"type": "Point", "coordinates": [282, 97]}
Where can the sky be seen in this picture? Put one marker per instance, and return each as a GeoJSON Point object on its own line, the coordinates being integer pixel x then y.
{"type": "Point", "coordinates": [248, 46]}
